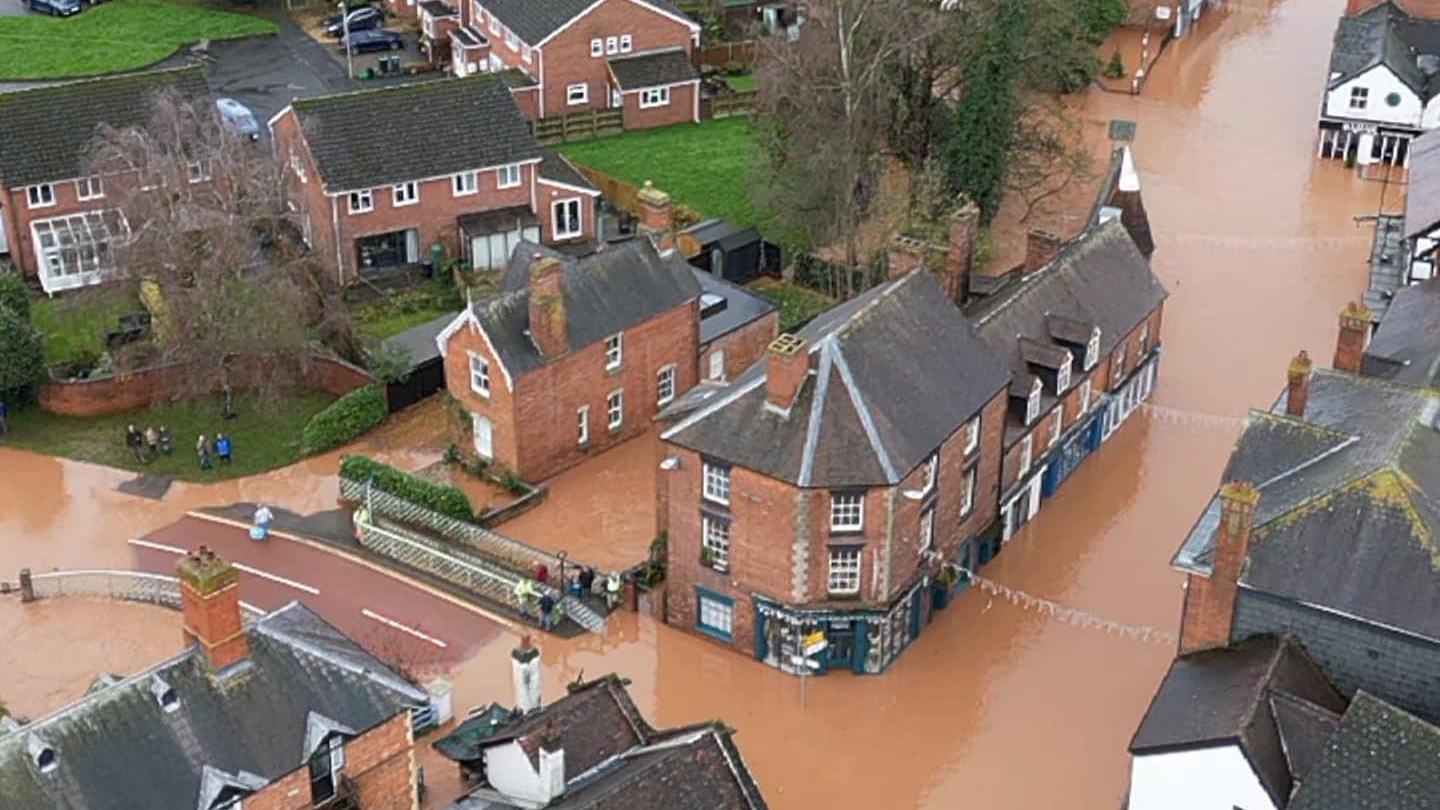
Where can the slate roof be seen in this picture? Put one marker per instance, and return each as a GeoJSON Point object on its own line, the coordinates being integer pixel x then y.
{"type": "Point", "coordinates": [371, 138]}
{"type": "Point", "coordinates": [558, 168]}
{"type": "Point", "coordinates": [534, 20]}
{"type": "Point", "coordinates": [1389, 264]}
{"type": "Point", "coordinates": [1385, 35]}
{"type": "Point", "coordinates": [1422, 192]}
{"type": "Point", "coordinates": [608, 291]}
{"type": "Point", "coordinates": [653, 69]}
{"type": "Point", "coordinates": [737, 306]}
{"type": "Point", "coordinates": [1349, 504]}
{"type": "Point", "coordinates": [1406, 347]}
{"type": "Point", "coordinates": [45, 131]}
{"type": "Point", "coordinates": [1380, 757]}
{"type": "Point", "coordinates": [118, 749]}
{"type": "Point", "coordinates": [437, 8]}
{"type": "Point", "coordinates": [419, 341]}
{"type": "Point", "coordinates": [898, 369]}
{"type": "Point", "coordinates": [1264, 695]}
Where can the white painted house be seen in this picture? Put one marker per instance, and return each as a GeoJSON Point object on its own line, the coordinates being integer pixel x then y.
{"type": "Point", "coordinates": [1383, 87]}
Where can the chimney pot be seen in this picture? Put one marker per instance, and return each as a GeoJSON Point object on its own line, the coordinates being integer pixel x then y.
{"type": "Point", "coordinates": [1041, 247]}
{"type": "Point", "coordinates": [1297, 391]}
{"type": "Point", "coordinates": [1354, 337]}
{"type": "Point", "coordinates": [1209, 611]}
{"type": "Point", "coordinates": [655, 212]}
{"type": "Point", "coordinates": [525, 675]}
{"type": "Point", "coordinates": [903, 255]}
{"type": "Point", "coordinates": [787, 364]}
{"type": "Point", "coordinates": [210, 602]}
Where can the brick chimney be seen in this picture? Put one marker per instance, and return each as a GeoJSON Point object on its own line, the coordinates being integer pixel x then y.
{"type": "Point", "coordinates": [525, 674]}
{"type": "Point", "coordinates": [547, 308]}
{"type": "Point", "coordinates": [1297, 391]}
{"type": "Point", "coordinates": [1354, 337]}
{"type": "Point", "coordinates": [787, 363]}
{"type": "Point", "coordinates": [905, 253]}
{"type": "Point", "coordinates": [960, 256]}
{"type": "Point", "coordinates": [210, 600]}
{"type": "Point", "coordinates": [1210, 601]}
{"type": "Point", "coordinates": [1041, 247]}
{"type": "Point", "coordinates": [655, 215]}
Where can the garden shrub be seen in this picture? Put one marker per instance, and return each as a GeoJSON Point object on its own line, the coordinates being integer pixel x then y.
{"type": "Point", "coordinates": [22, 359]}
{"type": "Point", "coordinates": [445, 499]}
{"type": "Point", "coordinates": [15, 295]}
{"type": "Point", "coordinates": [347, 417]}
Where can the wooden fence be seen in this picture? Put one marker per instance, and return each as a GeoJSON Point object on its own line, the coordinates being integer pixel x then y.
{"type": "Point", "coordinates": [578, 126]}
{"type": "Point", "coordinates": [720, 55]}
{"type": "Point", "coordinates": [621, 194]}
{"type": "Point", "coordinates": [742, 103]}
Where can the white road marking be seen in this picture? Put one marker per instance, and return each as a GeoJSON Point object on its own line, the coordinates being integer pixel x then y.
{"type": "Point", "coordinates": [370, 614]}
{"type": "Point", "coordinates": [299, 586]}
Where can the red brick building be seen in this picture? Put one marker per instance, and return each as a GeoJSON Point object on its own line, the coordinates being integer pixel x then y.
{"type": "Point", "coordinates": [825, 487]}
{"type": "Point", "coordinates": [584, 55]}
{"type": "Point", "coordinates": [283, 713]}
{"type": "Point", "coordinates": [577, 355]}
{"type": "Point", "coordinates": [454, 165]}
{"type": "Point", "coordinates": [56, 221]}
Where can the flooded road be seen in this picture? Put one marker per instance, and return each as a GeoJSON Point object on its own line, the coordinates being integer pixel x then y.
{"type": "Point", "coordinates": [993, 706]}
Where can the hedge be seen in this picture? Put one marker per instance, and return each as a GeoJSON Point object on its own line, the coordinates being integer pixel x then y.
{"type": "Point", "coordinates": [15, 294]}
{"type": "Point", "coordinates": [347, 417]}
{"type": "Point", "coordinates": [446, 500]}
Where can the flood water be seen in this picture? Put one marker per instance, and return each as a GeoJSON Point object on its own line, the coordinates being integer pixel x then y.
{"type": "Point", "coordinates": [993, 706]}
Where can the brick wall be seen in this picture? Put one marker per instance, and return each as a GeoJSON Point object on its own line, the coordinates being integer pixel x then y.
{"type": "Point", "coordinates": [16, 215]}
{"type": "Point", "coordinates": [499, 408]}
{"type": "Point", "coordinates": [546, 195]}
{"type": "Point", "coordinates": [380, 763]}
{"type": "Point", "coordinates": [681, 109]}
{"type": "Point", "coordinates": [742, 347]}
{"type": "Point", "coordinates": [528, 100]}
{"type": "Point", "coordinates": [566, 59]}
{"type": "Point", "coordinates": [317, 212]}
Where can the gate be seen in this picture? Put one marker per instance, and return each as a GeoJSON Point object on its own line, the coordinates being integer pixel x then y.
{"type": "Point", "coordinates": [424, 380]}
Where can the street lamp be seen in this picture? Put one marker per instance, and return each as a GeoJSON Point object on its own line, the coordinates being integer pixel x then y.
{"type": "Point", "coordinates": [345, 38]}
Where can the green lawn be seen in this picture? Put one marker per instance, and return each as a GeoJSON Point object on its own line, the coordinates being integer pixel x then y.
{"type": "Point", "coordinates": [705, 166]}
{"type": "Point", "coordinates": [797, 304]}
{"type": "Point", "coordinates": [743, 83]}
{"type": "Point", "coordinates": [116, 36]}
{"type": "Point", "coordinates": [263, 437]}
{"type": "Point", "coordinates": [74, 326]}
{"type": "Point", "coordinates": [405, 310]}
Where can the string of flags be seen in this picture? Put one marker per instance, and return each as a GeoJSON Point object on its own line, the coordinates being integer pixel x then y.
{"type": "Point", "coordinates": [1254, 243]}
{"type": "Point", "coordinates": [1071, 616]}
{"type": "Point", "coordinates": [1180, 416]}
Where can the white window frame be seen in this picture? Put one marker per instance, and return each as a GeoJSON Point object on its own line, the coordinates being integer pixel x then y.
{"type": "Point", "coordinates": [665, 384]}
{"type": "Point", "coordinates": [843, 571]}
{"type": "Point", "coordinates": [1032, 403]}
{"type": "Point", "coordinates": [577, 94]}
{"type": "Point", "coordinates": [967, 493]}
{"type": "Point", "coordinates": [931, 470]}
{"type": "Point", "coordinates": [361, 202]}
{"type": "Point", "coordinates": [972, 434]}
{"type": "Point", "coordinates": [1092, 350]}
{"type": "Point", "coordinates": [717, 364]}
{"type": "Point", "coordinates": [40, 195]}
{"type": "Point", "coordinates": [715, 535]}
{"type": "Point", "coordinates": [297, 165]}
{"type": "Point", "coordinates": [1086, 390]}
{"type": "Point", "coordinates": [582, 427]}
{"type": "Point", "coordinates": [403, 194]}
{"type": "Point", "coordinates": [526, 54]}
{"type": "Point", "coordinates": [508, 176]}
{"type": "Point", "coordinates": [715, 616]}
{"type": "Point", "coordinates": [511, 41]}
{"type": "Point", "coordinates": [614, 351]}
{"type": "Point", "coordinates": [1359, 98]}
{"type": "Point", "coordinates": [847, 511]}
{"type": "Point", "coordinates": [597, 48]}
{"type": "Point", "coordinates": [612, 46]}
{"type": "Point", "coordinates": [495, 27]}
{"type": "Point", "coordinates": [1144, 341]}
{"type": "Point", "coordinates": [715, 483]}
{"type": "Point", "coordinates": [195, 171]}
{"type": "Point", "coordinates": [652, 97]}
{"type": "Point", "coordinates": [463, 184]}
{"type": "Point", "coordinates": [1057, 424]}
{"type": "Point", "coordinates": [89, 188]}
{"type": "Point", "coordinates": [558, 220]}
{"type": "Point", "coordinates": [626, 43]}
{"type": "Point", "coordinates": [615, 409]}
{"type": "Point", "coordinates": [1027, 453]}
{"type": "Point", "coordinates": [1062, 374]}
{"type": "Point", "coordinates": [1117, 366]}
{"type": "Point", "coordinates": [479, 375]}
{"type": "Point", "coordinates": [927, 529]}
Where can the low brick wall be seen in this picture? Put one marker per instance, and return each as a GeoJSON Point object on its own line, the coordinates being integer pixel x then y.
{"type": "Point", "coordinates": [622, 195]}
{"type": "Point", "coordinates": [148, 386]}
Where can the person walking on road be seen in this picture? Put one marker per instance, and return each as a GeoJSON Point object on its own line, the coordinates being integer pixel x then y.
{"type": "Point", "coordinates": [547, 611]}
{"type": "Point", "coordinates": [136, 443]}
{"type": "Point", "coordinates": [202, 449]}
{"type": "Point", "coordinates": [612, 590]}
{"type": "Point", "coordinates": [263, 518]}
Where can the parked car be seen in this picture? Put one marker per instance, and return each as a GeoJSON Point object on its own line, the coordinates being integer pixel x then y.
{"type": "Point", "coordinates": [238, 119]}
{"type": "Point", "coordinates": [365, 18]}
{"type": "Point", "coordinates": [55, 8]}
{"type": "Point", "coordinates": [376, 40]}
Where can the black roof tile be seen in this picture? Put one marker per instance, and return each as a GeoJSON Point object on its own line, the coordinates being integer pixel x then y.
{"type": "Point", "coordinates": [534, 20]}
{"type": "Point", "coordinates": [1379, 758]}
{"type": "Point", "coordinates": [653, 69]}
{"type": "Point", "coordinates": [1406, 346]}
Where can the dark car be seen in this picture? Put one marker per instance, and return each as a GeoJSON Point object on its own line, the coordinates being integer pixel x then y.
{"type": "Point", "coordinates": [55, 8]}
{"type": "Point", "coordinates": [365, 18]}
{"type": "Point", "coordinates": [378, 40]}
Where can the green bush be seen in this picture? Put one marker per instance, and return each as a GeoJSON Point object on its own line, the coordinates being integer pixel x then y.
{"type": "Point", "coordinates": [1115, 68]}
{"type": "Point", "coordinates": [22, 359]}
{"type": "Point", "coordinates": [446, 500]}
{"type": "Point", "coordinates": [15, 295]}
{"type": "Point", "coordinates": [1101, 16]}
{"type": "Point", "coordinates": [347, 417]}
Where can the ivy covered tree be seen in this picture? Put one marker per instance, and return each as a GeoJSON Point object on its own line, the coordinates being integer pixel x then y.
{"type": "Point", "coordinates": [982, 131]}
{"type": "Point", "coordinates": [22, 358]}
{"type": "Point", "coordinates": [14, 294]}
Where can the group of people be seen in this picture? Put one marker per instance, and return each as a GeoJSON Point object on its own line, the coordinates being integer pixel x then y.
{"type": "Point", "coordinates": [581, 584]}
{"type": "Point", "coordinates": [148, 445]}
{"type": "Point", "coordinates": [206, 448]}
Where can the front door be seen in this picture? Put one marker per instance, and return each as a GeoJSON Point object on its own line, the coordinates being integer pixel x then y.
{"type": "Point", "coordinates": [483, 445]}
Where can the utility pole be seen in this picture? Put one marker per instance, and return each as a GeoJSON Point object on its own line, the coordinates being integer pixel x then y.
{"type": "Point", "coordinates": [345, 38]}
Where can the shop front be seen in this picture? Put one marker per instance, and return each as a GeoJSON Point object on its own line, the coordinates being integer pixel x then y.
{"type": "Point", "coordinates": [864, 642]}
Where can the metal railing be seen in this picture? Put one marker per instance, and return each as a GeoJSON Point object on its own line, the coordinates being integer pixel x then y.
{"type": "Point", "coordinates": [125, 586]}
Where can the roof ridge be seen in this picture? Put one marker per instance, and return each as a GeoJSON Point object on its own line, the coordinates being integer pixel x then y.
{"type": "Point", "coordinates": [194, 67]}
{"type": "Point", "coordinates": [867, 421]}
{"type": "Point", "coordinates": [1295, 421]}
{"type": "Point", "coordinates": [1078, 245]}
{"type": "Point", "coordinates": [477, 78]}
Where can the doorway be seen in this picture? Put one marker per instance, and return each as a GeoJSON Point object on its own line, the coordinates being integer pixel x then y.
{"type": "Point", "coordinates": [483, 440]}
{"type": "Point", "coordinates": [392, 249]}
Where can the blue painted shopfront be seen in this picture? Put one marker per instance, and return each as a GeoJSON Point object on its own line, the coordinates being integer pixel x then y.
{"type": "Point", "coordinates": [862, 641]}
{"type": "Point", "coordinates": [1083, 439]}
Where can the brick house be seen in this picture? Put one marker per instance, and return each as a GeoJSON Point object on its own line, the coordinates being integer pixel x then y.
{"type": "Point", "coordinates": [575, 356]}
{"type": "Point", "coordinates": [583, 55]}
{"type": "Point", "coordinates": [469, 176]}
{"type": "Point", "coordinates": [822, 489]}
{"type": "Point", "coordinates": [56, 222]}
{"type": "Point", "coordinates": [1080, 329]}
{"type": "Point", "coordinates": [281, 713]}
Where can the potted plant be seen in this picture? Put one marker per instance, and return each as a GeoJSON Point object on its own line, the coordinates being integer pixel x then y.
{"type": "Point", "coordinates": [710, 559]}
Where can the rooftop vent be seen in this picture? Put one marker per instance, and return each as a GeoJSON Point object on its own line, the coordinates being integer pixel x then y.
{"type": "Point", "coordinates": [1428, 63]}
{"type": "Point", "coordinates": [164, 694]}
{"type": "Point", "coordinates": [42, 754]}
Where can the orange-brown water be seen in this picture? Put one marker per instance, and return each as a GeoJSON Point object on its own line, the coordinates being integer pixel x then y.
{"type": "Point", "coordinates": [994, 706]}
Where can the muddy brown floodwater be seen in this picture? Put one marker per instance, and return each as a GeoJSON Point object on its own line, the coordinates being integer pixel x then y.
{"type": "Point", "coordinates": [994, 706]}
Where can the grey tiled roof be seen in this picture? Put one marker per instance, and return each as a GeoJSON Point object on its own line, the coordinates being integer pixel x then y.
{"type": "Point", "coordinates": [372, 138]}
{"type": "Point", "coordinates": [741, 307]}
{"type": "Point", "coordinates": [1385, 35]}
{"type": "Point", "coordinates": [653, 69]}
{"type": "Point", "coordinates": [1389, 264]}
{"type": "Point", "coordinates": [1264, 694]}
{"type": "Point", "coordinates": [558, 168]}
{"type": "Point", "coordinates": [898, 370]}
{"type": "Point", "coordinates": [534, 20]}
{"type": "Point", "coordinates": [1422, 191]}
{"type": "Point", "coordinates": [1349, 503]}
{"type": "Point", "coordinates": [605, 292]}
{"type": "Point", "coordinates": [419, 341]}
{"type": "Point", "coordinates": [1380, 758]}
{"type": "Point", "coordinates": [1406, 347]}
{"type": "Point", "coordinates": [118, 749]}
{"type": "Point", "coordinates": [45, 132]}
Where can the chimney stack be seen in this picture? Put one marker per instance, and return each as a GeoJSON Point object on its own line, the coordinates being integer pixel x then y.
{"type": "Point", "coordinates": [1041, 247]}
{"type": "Point", "coordinates": [655, 216]}
{"type": "Point", "coordinates": [787, 363]}
{"type": "Point", "coordinates": [1297, 392]}
{"type": "Point", "coordinates": [525, 673]}
{"type": "Point", "coordinates": [547, 308]}
{"type": "Point", "coordinates": [210, 601]}
{"type": "Point", "coordinates": [1354, 338]}
{"type": "Point", "coordinates": [905, 253]}
{"type": "Point", "coordinates": [960, 257]}
{"type": "Point", "coordinates": [1210, 601]}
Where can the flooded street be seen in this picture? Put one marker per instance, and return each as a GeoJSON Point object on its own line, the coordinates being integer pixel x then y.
{"type": "Point", "coordinates": [993, 706]}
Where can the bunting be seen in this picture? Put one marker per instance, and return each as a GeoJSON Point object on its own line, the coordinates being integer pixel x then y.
{"type": "Point", "coordinates": [1071, 616]}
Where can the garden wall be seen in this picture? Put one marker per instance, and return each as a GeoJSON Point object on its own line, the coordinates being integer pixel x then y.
{"type": "Point", "coordinates": [147, 386]}
{"type": "Point", "coordinates": [622, 195]}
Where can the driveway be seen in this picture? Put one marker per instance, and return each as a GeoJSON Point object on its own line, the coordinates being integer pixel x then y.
{"type": "Point", "coordinates": [11, 8]}
{"type": "Point", "coordinates": [267, 74]}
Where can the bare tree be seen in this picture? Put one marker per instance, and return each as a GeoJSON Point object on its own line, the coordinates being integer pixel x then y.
{"type": "Point", "coordinates": [1049, 154]}
{"type": "Point", "coordinates": [234, 296]}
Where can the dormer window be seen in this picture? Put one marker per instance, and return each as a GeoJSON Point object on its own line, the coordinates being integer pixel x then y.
{"type": "Point", "coordinates": [325, 765]}
{"type": "Point", "coordinates": [1092, 350]}
{"type": "Point", "coordinates": [1032, 402]}
{"type": "Point", "coordinates": [1062, 374]}
{"type": "Point", "coordinates": [932, 470]}
{"type": "Point", "coordinates": [164, 694]}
